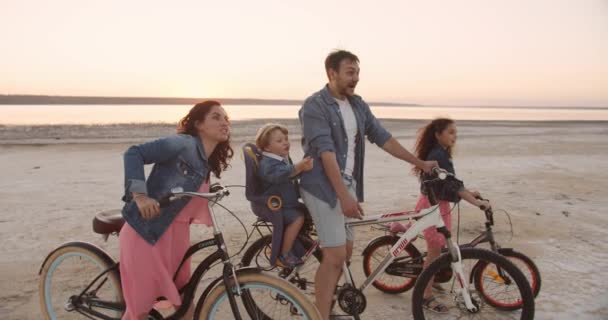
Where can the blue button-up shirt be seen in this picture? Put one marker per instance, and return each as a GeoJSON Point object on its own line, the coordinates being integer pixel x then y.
{"type": "Point", "coordinates": [323, 130]}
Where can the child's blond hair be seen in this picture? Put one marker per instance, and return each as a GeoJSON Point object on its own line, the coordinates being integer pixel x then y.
{"type": "Point", "coordinates": [262, 139]}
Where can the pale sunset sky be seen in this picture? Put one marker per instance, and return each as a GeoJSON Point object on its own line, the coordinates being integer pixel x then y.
{"type": "Point", "coordinates": [485, 52]}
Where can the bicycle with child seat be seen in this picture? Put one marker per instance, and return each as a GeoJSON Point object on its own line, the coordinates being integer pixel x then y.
{"type": "Point", "coordinates": [79, 280]}
{"type": "Point", "coordinates": [461, 265]}
{"type": "Point", "coordinates": [401, 275]}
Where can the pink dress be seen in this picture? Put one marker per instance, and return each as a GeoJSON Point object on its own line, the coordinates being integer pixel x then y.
{"type": "Point", "coordinates": [431, 235]}
{"type": "Point", "coordinates": [146, 271]}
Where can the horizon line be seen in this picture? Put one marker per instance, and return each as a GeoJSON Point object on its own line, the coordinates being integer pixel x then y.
{"type": "Point", "coordinates": [40, 99]}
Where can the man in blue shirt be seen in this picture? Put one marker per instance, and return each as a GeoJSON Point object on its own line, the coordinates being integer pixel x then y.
{"type": "Point", "coordinates": [334, 122]}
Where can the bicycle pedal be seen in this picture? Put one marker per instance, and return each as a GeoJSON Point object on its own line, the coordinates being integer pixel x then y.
{"type": "Point", "coordinates": [302, 284]}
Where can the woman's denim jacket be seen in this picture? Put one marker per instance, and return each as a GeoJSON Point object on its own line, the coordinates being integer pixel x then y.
{"type": "Point", "coordinates": [179, 161]}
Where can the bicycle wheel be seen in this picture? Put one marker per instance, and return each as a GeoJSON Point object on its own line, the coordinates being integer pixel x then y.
{"type": "Point", "coordinates": [262, 297]}
{"type": "Point", "coordinates": [258, 255]}
{"type": "Point", "coordinates": [67, 272]}
{"type": "Point", "coordinates": [495, 292]}
{"type": "Point", "coordinates": [400, 275]}
{"type": "Point", "coordinates": [519, 289]}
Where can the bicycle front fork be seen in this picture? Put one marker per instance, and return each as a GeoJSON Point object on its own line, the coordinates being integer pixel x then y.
{"type": "Point", "coordinates": [456, 264]}
{"type": "Point", "coordinates": [228, 271]}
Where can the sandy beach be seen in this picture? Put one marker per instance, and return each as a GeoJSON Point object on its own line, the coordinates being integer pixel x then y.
{"type": "Point", "coordinates": [551, 177]}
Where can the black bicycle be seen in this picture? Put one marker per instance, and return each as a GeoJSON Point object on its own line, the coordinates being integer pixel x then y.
{"type": "Point", "coordinates": [79, 280]}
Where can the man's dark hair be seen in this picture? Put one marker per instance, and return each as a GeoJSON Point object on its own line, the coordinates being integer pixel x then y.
{"type": "Point", "coordinates": [334, 59]}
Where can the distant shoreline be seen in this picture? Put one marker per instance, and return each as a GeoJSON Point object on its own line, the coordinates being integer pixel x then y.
{"type": "Point", "coordinates": [44, 100]}
{"type": "Point", "coordinates": [90, 100]}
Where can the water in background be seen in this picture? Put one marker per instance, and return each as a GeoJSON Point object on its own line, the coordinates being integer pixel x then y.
{"type": "Point", "coordinates": [107, 114]}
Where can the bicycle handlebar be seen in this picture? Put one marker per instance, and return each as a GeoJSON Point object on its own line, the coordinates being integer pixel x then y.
{"type": "Point", "coordinates": [488, 211]}
{"type": "Point", "coordinates": [443, 174]}
{"type": "Point", "coordinates": [218, 192]}
{"type": "Point", "coordinates": [483, 207]}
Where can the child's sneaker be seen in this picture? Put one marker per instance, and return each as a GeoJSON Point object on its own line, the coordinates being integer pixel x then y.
{"type": "Point", "coordinates": [296, 259]}
{"type": "Point", "coordinates": [289, 261]}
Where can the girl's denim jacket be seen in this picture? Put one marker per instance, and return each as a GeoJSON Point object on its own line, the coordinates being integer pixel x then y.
{"type": "Point", "coordinates": [179, 161]}
{"type": "Point", "coordinates": [445, 190]}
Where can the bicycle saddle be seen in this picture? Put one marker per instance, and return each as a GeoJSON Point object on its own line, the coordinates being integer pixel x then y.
{"type": "Point", "coordinates": [108, 222]}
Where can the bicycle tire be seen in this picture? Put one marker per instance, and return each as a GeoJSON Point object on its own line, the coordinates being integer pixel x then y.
{"type": "Point", "coordinates": [59, 269]}
{"type": "Point", "coordinates": [523, 287]}
{"type": "Point", "coordinates": [529, 269]}
{"type": "Point", "coordinates": [287, 296]}
{"type": "Point", "coordinates": [258, 255]}
{"type": "Point", "coordinates": [254, 249]}
{"type": "Point", "coordinates": [382, 282]}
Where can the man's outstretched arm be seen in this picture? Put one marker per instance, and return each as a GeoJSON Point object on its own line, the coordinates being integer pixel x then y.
{"type": "Point", "coordinates": [394, 148]}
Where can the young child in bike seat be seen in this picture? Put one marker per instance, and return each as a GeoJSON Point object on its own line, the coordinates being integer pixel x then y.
{"type": "Point", "coordinates": [436, 141]}
{"type": "Point", "coordinates": [278, 178]}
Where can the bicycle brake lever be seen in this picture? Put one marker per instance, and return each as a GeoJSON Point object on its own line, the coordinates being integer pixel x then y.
{"type": "Point", "coordinates": [165, 200]}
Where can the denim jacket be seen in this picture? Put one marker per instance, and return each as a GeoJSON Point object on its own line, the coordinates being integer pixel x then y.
{"type": "Point", "coordinates": [275, 178]}
{"type": "Point", "coordinates": [323, 130]}
{"type": "Point", "coordinates": [179, 161]}
{"type": "Point", "coordinates": [445, 190]}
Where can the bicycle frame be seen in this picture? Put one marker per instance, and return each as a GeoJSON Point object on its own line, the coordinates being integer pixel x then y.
{"type": "Point", "coordinates": [427, 218]}
{"type": "Point", "coordinates": [221, 253]}
{"type": "Point", "coordinates": [187, 290]}
{"type": "Point", "coordinates": [96, 302]}
{"type": "Point", "coordinates": [487, 235]}
{"type": "Point", "coordinates": [82, 303]}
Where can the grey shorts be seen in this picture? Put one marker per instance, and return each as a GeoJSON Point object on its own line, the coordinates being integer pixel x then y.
{"type": "Point", "coordinates": [330, 222]}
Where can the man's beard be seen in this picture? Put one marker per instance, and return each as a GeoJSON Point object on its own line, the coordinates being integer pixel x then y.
{"type": "Point", "coordinates": [346, 91]}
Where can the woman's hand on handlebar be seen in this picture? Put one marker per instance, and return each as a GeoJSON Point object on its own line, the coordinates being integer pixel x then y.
{"type": "Point", "coordinates": [148, 207]}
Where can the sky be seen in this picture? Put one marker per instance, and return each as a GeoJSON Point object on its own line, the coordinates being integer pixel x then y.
{"type": "Point", "coordinates": [485, 52]}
